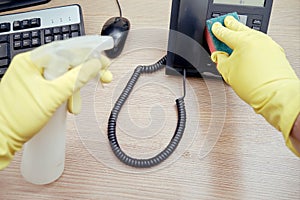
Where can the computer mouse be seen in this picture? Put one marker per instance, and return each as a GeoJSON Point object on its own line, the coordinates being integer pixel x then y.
{"type": "Point", "coordinates": [117, 28]}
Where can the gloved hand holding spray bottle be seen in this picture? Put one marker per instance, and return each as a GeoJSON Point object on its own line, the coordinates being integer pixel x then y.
{"type": "Point", "coordinates": [39, 86]}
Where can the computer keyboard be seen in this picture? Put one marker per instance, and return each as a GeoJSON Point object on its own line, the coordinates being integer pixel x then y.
{"type": "Point", "coordinates": [21, 32]}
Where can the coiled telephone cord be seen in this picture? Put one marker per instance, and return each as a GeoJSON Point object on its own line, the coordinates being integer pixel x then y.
{"type": "Point", "coordinates": [148, 162]}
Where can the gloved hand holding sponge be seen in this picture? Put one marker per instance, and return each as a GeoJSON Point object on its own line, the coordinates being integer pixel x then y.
{"type": "Point", "coordinates": [28, 100]}
{"type": "Point", "coordinates": [260, 74]}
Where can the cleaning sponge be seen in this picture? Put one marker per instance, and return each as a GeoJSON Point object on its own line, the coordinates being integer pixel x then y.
{"type": "Point", "coordinates": [213, 43]}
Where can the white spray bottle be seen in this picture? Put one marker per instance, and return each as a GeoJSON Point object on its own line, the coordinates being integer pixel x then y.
{"type": "Point", "coordinates": [44, 155]}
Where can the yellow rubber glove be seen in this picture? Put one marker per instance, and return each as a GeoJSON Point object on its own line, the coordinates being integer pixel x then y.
{"type": "Point", "coordinates": [259, 72]}
{"type": "Point", "coordinates": [28, 100]}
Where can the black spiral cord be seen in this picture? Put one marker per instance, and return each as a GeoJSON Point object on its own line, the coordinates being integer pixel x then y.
{"type": "Point", "coordinates": [149, 162]}
{"type": "Point", "coordinates": [119, 7]}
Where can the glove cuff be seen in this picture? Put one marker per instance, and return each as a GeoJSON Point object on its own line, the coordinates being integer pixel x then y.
{"type": "Point", "coordinates": [280, 107]}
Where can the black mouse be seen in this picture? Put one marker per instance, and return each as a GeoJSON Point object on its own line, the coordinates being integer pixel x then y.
{"type": "Point", "coordinates": [118, 28]}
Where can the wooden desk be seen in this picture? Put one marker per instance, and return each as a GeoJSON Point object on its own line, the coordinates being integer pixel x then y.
{"type": "Point", "coordinates": [248, 161]}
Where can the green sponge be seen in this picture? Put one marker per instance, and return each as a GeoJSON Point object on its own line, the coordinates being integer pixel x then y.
{"type": "Point", "coordinates": [213, 43]}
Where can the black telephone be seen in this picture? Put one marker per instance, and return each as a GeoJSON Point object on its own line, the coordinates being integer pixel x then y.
{"type": "Point", "coordinates": [187, 48]}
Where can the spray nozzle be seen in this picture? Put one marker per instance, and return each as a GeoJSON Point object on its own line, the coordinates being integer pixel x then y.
{"type": "Point", "coordinates": [58, 57]}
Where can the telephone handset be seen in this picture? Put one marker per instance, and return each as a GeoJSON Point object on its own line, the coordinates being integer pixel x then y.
{"type": "Point", "coordinates": [187, 48]}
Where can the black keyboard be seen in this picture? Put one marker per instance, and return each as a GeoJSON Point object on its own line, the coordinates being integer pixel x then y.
{"type": "Point", "coordinates": [21, 32]}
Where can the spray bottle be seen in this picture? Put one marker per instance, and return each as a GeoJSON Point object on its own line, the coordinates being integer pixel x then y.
{"type": "Point", "coordinates": [44, 155]}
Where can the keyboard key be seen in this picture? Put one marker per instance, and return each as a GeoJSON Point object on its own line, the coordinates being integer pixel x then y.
{"type": "Point", "coordinates": [35, 22]}
{"type": "Point", "coordinates": [26, 35]}
{"type": "Point", "coordinates": [66, 36]}
{"type": "Point", "coordinates": [74, 27]}
{"type": "Point", "coordinates": [257, 22]}
{"type": "Point", "coordinates": [74, 34]}
{"type": "Point", "coordinates": [48, 39]}
{"type": "Point", "coordinates": [25, 24]}
{"type": "Point", "coordinates": [26, 44]}
{"type": "Point", "coordinates": [56, 30]}
{"type": "Point", "coordinates": [48, 31]}
{"type": "Point", "coordinates": [57, 37]}
{"type": "Point", "coordinates": [65, 29]}
{"type": "Point", "coordinates": [214, 15]}
{"type": "Point", "coordinates": [17, 36]}
{"type": "Point", "coordinates": [35, 42]}
{"type": "Point", "coordinates": [256, 28]}
{"type": "Point", "coordinates": [4, 38]}
{"type": "Point", "coordinates": [17, 45]}
{"type": "Point", "coordinates": [17, 25]}
{"type": "Point", "coordinates": [3, 50]}
{"type": "Point", "coordinates": [35, 34]}
{"type": "Point", "coordinates": [4, 63]}
{"type": "Point", "coordinates": [4, 27]}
